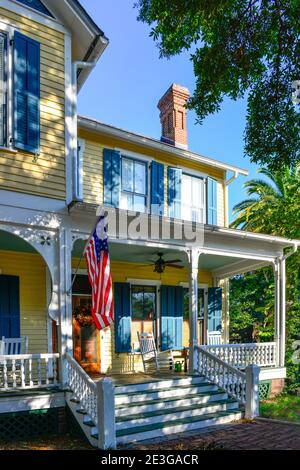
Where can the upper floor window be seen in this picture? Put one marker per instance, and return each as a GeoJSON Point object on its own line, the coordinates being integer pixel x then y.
{"type": "Point", "coordinates": [133, 185]}
{"type": "Point", "coordinates": [37, 5]}
{"type": "Point", "coordinates": [193, 198]}
{"type": "Point", "coordinates": [3, 88]}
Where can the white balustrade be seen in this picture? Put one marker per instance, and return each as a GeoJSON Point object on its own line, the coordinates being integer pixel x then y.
{"type": "Point", "coordinates": [243, 355]}
{"type": "Point", "coordinates": [26, 371]}
{"type": "Point", "coordinates": [97, 400]}
{"type": "Point", "coordinates": [242, 386]}
{"type": "Point", "coordinates": [83, 388]}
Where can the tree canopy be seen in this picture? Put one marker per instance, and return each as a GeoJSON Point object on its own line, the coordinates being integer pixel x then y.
{"type": "Point", "coordinates": [239, 48]}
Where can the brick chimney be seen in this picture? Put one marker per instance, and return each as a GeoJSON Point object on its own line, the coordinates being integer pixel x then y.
{"type": "Point", "coordinates": [172, 108]}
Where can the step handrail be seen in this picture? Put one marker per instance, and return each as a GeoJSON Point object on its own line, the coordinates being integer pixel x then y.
{"type": "Point", "coordinates": [242, 386]}
{"type": "Point", "coordinates": [96, 399]}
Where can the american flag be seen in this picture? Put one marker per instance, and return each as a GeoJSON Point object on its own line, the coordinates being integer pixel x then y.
{"type": "Point", "coordinates": [98, 261]}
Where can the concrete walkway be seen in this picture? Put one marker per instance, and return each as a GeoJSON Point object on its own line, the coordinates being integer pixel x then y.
{"type": "Point", "coordinates": [252, 435]}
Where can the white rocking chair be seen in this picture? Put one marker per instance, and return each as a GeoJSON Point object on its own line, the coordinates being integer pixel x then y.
{"type": "Point", "coordinates": [153, 360]}
{"type": "Point", "coordinates": [214, 338]}
{"type": "Point", "coordinates": [13, 346]}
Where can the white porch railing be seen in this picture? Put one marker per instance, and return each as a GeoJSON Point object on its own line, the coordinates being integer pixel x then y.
{"type": "Point", "coordinates": [243, 355]}
{"type": "Point", "coordinates": [242, 386]}
{"type": "Point", "coordinates": [28, 371]}
{"type": "Point", "coordinates": [96, 399]}
{"type": "Point", "coordinates": [83, 388]}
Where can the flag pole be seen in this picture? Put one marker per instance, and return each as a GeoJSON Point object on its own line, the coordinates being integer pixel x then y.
{"type": "Point", "coordinates": [82, 255]}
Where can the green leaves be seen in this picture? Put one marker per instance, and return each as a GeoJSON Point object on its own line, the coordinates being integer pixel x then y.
{"type": "Point", "coordinates": [240, 46]}
{"type": "Point", "coordinates": [274, 208]}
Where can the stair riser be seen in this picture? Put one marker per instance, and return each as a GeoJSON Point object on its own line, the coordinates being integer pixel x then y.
{"type": "Point", "coordinates": [176, 415]}
{"type": "Point", "coordinates": [198, 400]}
{"type": "Point", "coordinates": [176, 392]}
{"type": "Point", "coordinates": [142, 436]}
{"type": "Point", "coordinates": [80, 420]}
{"type": "Point", "coordinates": [158, 385]}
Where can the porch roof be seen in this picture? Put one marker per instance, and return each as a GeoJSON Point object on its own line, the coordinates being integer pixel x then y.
{"type": "Point", "coordinates": [224, 251]}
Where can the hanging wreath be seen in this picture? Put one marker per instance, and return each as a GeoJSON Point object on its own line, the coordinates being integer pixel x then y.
{"type": "Point", "coordinates": [83, 315]}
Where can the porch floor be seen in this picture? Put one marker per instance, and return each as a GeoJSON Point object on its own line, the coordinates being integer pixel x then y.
{"type": "Point", "coordinates": [138, 377]}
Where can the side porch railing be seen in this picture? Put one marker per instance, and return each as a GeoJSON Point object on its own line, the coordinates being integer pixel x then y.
{"type": "Point", "coordinates": [243, 386]}
{"type": "Point", "coordinates": [96, 399]}
{"type": "Point", "coordinates": [243, 355]}
{"type": "Point", "coordinates": [28, 371]}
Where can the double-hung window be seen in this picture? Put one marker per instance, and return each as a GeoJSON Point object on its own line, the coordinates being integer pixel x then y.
{"type": "Point", "coordinates": [133, 185]}
{"type": "Point", "coordinates": [193, 198]}
{"type": "Point", "coordinates": [143, 316]}
{"type": "Point", "coordinates": [3, 89]}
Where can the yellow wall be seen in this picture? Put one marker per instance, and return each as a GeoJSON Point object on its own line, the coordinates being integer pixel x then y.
{"type": "Point", "coordinates": [31, 270]}
{"type": "Point", "coordinates": [46, 176]}
{"type": "Point", "coordinates": [112, 362]}
{"type": "Point", "coordinates": [93, 168]}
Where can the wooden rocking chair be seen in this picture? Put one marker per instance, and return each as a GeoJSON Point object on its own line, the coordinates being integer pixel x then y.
{"type": "Point", "coordinates": [153, 360]}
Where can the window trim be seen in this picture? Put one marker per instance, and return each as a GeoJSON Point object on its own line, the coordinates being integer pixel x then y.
{"type": "Point", "coordinates": [204, 287]}
{"type": "Point", "coordinates": [4, 34]}
{"type": "Point", "coordinates": [204, 179]}
{"type": "Point", "coordinates": [145, 162]}
{"type": "Point", "coordinates": [9, 31]}
{"type": "Point", "coordinates": [157, 285]}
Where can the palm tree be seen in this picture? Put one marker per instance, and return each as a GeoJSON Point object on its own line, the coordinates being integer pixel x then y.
{"type": "Point", "coordinates": [273, 206]}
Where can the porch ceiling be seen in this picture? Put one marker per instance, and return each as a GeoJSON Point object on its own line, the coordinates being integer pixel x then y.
{"type": "Point", "coordinates": [9, 242]}
{"type": "Point", "coordinates": [144, 255]}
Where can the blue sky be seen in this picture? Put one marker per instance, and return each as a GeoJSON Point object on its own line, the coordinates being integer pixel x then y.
{"type": "Point", "coordinates": [124, 88]}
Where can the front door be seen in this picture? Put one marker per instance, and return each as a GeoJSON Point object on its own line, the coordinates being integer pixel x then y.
{"type": "Point", "coordinates": [86, 337]}
{"type": "Point", "coordinates": [9, 306]}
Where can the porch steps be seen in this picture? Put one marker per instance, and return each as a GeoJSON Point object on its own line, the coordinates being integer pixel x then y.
{"type": "Point", "coordinates": [162, 407]}
{"type": "Point", "coordinates": [83, 419]}
{"type": "Point", "coordinates": [155, 409]}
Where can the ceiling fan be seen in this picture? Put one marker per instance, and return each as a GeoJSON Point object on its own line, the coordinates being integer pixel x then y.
{"type": "Point", "coordinates": [160, 264]}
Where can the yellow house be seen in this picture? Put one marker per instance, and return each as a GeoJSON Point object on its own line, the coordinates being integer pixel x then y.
{"type": "Point", "coordinates": [171, 251]}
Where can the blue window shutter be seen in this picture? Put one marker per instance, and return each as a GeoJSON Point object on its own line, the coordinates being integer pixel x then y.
{"type": "Point", "coordinates": [214, 320]}
{"type": "Point", "coordinates": [9, 306]}
{"type": "Point", "coordinates": [157, 188]}
{"type": "Point", "coordinates": [211, 201]}
{"type": "Point", "coordinates": [122, 309]}
{"type": "Point", "coordinates": [26, 93]}
{"type": "Point", "coordinates": [112, 177]}
{"type": "Point", "coordinates": [37, 5]}
{"type": "Point", "coordinates": [174, 192]}
{"type": "Point", "coordinates": [171, 317]}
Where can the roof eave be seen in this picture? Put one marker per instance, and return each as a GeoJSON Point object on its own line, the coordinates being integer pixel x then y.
{"type": "Point", "coordinates": [127, 136]}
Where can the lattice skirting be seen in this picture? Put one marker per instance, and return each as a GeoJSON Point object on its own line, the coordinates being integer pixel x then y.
{"type": "Point", "coordinates": [264, 389]}
{"type": "Point", "coordinates": [28, 424]}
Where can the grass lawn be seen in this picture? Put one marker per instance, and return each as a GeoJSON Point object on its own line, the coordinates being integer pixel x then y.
{"type": "Point", "coordinates": [285, 407]}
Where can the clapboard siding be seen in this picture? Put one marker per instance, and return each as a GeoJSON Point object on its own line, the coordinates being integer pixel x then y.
{"type": "Point", "coordinates": [31, 270]}
{"type": "Point", "coordinates": [45, 175]}
{"type": "Point", "coordinates": [93, 169]}
{"type": "Point", "coordinates": [93, 173]}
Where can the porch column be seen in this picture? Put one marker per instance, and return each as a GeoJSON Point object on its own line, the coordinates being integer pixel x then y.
{"type": "Point", "coordinates": [277, 310]}
{"type": "Point", "coordinates": [193, 307]}
{"type": "Point", "coordinates": [65, 327]}
{"type": "Point", "coordinates": [282, 311]}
